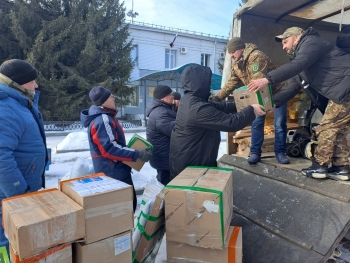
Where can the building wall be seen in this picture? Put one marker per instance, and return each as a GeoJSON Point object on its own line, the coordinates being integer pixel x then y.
{"type": "Point", "coordinates": [151, 45]}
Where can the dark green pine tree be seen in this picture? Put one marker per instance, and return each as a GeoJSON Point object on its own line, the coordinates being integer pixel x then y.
{"type": "Point", "coordinates": [84, 47]}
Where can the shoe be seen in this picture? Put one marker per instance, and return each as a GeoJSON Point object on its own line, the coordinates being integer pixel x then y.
{"type": "Point", "coordinates": [254, 158]}
{"type": "Point", "coordinates": [281, 158]}
{"type": "Point", "coordinates": [340, 172]}
{"type": "Point", "coordinates": [316, 170]}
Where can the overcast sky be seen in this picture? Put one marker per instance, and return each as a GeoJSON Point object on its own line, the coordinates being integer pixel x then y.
{"type": "Point", "coordinates": [206, 16]}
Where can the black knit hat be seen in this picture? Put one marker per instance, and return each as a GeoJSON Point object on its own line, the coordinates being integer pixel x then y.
{"type": "Point", "coordinates": [177, 96]}
{"type": "Point", "coordinates": [19, 71]}
{"type": "Point", "coordinates": [234, 44]}
{"type": "Point", "coordinates": [161, 91]}
{"type": "Point", "coordinates": [99, 95]}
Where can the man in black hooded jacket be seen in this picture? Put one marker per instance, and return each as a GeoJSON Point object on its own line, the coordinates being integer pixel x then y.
{"type": "Point", "coordinates": [324, 68]}
{"type": "Point", "coordinates": [196, 138]}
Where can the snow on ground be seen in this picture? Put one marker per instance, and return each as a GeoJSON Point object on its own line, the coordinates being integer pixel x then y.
{"type": "Point", "coordinates": [67, 149]}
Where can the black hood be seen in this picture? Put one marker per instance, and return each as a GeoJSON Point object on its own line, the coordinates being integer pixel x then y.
{"type": "Point", "coordinates": [196, 80]}
{"type": "Point", "coordinates": [155, 104]}
{"type": "Point", "coordinates": [310, 32]}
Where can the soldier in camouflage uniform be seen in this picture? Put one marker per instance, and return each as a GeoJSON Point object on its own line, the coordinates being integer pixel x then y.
{"type": "Point", "coordinates": [249, 64]}
{"type": "Point", "coordinates": [326, 69]}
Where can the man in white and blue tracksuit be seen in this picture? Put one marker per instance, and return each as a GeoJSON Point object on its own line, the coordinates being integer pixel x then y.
{"type": "Point", "coordinates": [23, 154]}
{"type": "Point", "coordinates": [106, 138]}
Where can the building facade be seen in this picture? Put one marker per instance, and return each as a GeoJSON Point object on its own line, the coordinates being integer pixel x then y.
{"type": "Point", "coordinates": [153, 53]}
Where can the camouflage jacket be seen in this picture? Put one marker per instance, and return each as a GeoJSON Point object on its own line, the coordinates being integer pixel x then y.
{"type": "Point", "coordinates": [253, 64]}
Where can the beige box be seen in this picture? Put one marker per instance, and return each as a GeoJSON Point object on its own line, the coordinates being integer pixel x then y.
{"type": "Point", "coordinates": [232, 252]}
{"type": "Point", "coordinates": [41, 220]}
{"type": "Point", "coordinates": [116, 249]}
{"type": "Point", "coordinates": [59, 254]}
{"type": "Point", "coordinates": [244, 98]}
{"type": "Point", "coordinates": [138, 143]}
{"type": "Point", "coordinates": [198, 206]}
{"type": "Point", "coordinates": [153, 229]}
{"type": "Point", "coordinates": [108, 204]}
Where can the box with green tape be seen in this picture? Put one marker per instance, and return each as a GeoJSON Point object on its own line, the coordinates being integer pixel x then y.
{"type": "Point", "coordinates": [198, 207]}
{"type": "Point", "coordinates": [244, 98]}
{"type": "Point", "coordinates": [151, 233]}
{"type": "Point", "coordinates": [137, 142]}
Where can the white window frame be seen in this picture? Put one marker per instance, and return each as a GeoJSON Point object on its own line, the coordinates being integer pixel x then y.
{"type": "Point", "coordinates": [170, 58]}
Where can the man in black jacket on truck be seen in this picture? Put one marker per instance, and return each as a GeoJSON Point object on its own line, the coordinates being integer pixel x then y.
{"type": "Point", "coordinates": [325, 69]}
{"type": "Point", "coordinates": [196, 138]}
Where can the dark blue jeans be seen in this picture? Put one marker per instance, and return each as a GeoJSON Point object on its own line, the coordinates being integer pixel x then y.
{"type": "Point", "coordinates": [280, 122]}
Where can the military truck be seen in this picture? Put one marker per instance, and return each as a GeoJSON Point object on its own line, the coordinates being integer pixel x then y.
{"type": "Point", "coordinates": [287, 217]}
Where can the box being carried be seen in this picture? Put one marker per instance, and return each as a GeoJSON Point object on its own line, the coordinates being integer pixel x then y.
{"type": "Point", "coordinates": [41, 220]}
{"type": "Point", "coordinates": [113, 249]}
{"type": "Point", "coordinates": [107, 204]}
{"type": "Point", "coordinates": [138, 143]}
{"type": "Point", "coordinates": [232, 252]}
{"type": "Point", "coordinates": [59, 254]}
{"type": "Point", "coordinates": [198, 206]}
{"type": "Point", "coordinates": [244, 98]}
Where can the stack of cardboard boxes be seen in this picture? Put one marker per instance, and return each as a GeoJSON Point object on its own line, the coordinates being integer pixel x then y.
{"type": "Point", "coordinates": [108, 207]}
{"type": "Point", "coordinates": [198, 211]}
{"type": "Point", "coordinates": [42, 226]}
{"type": "Point", "coordinates": [95, 212]}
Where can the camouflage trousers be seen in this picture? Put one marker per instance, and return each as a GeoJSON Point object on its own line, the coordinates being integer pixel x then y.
{"type": "Point", "coordinates": [333, 135]}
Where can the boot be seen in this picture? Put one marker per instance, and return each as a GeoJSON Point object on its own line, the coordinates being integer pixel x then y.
{"type": "Point", "coordinates": [340, 172]}
{"type": "Point", "coordinates": [281, 158]}
{"type": "Point", "coordinates": [254, 158]}
{"type": "Point", "coordinates": [316, 170]}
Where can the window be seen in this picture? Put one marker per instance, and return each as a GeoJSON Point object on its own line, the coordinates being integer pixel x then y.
{"type": "Point", "coordinates": [205, 60]}
{"type": "Point", "coordinates": [169, 58]}
{"type": "Point", "coordinates": [134, 98]}
{"type": "Point", "coordinates": [134, 54]}
{"type": "Point", "coordinates": [150, 91]}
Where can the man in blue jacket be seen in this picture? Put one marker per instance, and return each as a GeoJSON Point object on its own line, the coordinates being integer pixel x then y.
{"type": "Point", "coordinates": [324, 68]}
{"type": "Point", "coordinates": [23, 153]}
{"type": "Point", "coordinates": [161, 122]}
{"type": "Point", "coordinates": [106, 138]}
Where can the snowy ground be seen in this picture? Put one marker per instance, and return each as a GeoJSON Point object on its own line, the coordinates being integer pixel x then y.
{"type": "Point", "coordinates": [68, 151]}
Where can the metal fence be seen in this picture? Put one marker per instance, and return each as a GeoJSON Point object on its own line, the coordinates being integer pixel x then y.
{"type": "Point", "coordinates": [77, 125]}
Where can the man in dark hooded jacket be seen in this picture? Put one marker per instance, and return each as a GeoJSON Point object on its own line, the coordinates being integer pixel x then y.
{"type": "Point", "coordinates": [324, 68]}
{"type": "Point", "coordinates": [161, 121]}
{"type": "Point", "coordinates": [106, 139]}
{"type": "Point", "coordinates": [196, 138]}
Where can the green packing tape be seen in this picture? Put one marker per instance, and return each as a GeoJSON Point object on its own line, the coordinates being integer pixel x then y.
{"type": "Point", "coordinates": [147, 236]}
{"type": "Point", "coordinates": [150, 218]}
{"type": "Point", "coordinates": [4, 258]}
{"type": "Point", "coordinates": [207, 190]}
{"type": "Point", "coordinates": [212, 168]}
{"type": "Point", "coordinates": [149, 253]}
{"type": "Point", "coordinates": [136, 137]}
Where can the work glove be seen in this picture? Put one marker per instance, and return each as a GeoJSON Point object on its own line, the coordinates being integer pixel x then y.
{"type": "Point", "coordinates": [145, 154]}
{"type": "Point", "coordinates": [215, 99]}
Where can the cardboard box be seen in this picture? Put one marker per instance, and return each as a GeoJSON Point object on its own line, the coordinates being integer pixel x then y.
{"type": "Point", "coordinates": [153, 231]}
{"type": "Point", "coordinates": [108, 204]}
{"type": "Point", "coordinates": [41, 220]}
{"type": "Point", "coordinates": [198, 206]}
{"type": "Point", "coordinates": [60, 254]}
{"type": "Point", "coordinates": [110, 250]}
{"type": "Point", "coordinates": [138, 143]}
{"type": "Point", "coordinates": [232, 253]}
{"type": "Point", "coordinates": [244, 98]}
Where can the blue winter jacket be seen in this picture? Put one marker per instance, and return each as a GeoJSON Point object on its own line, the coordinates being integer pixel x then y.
{"type": "Point", "coordinates": [107, 142]}
{"type": "Point", "coordinates": [23, 153]}
{"type": "Point", "coordinates": [161, 122]}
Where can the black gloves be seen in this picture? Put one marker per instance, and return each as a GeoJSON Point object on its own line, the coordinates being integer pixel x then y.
{"type": "Point", "coordinates": [215, 99]}
{"type": "Point", "coordinates": [145, 154]}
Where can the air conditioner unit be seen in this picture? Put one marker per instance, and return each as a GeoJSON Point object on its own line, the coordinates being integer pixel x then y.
{"type": "Point", "coordinates": [183, 50]}
{"type": "Point", "coordinates": [222, 55]}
